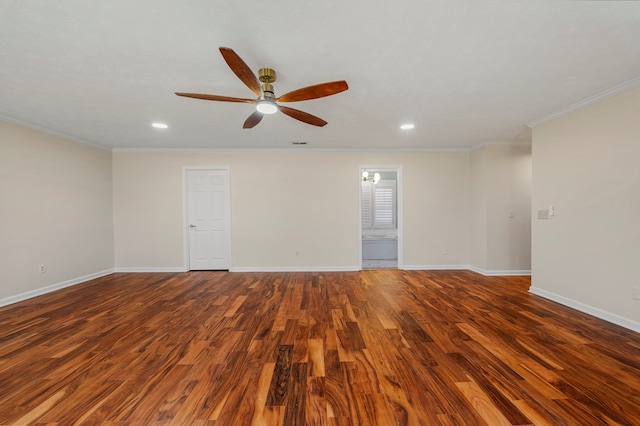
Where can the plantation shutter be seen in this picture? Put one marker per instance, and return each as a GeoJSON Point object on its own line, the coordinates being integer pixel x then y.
{"type": "Point", "coordinates": [378, 204]}
{"type": "Point", "coordinates": [383, 205]}
{"type": "Point", "coordinates": [367, 212]}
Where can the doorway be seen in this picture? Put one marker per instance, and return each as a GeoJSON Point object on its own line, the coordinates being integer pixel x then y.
{"type": "Point", "coordinates": [380, 217]}
{"type": "Point", "coordinates": [207, 219]}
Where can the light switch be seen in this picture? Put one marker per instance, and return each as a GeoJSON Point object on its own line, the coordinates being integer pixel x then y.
{"type": "Point", "coordinates": [552, 210]}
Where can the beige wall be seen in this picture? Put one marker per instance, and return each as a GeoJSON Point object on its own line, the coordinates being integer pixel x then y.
{"type": "Point", "coordinates": [83, 211]}
{"type": "Point", "coordinates": [285, 202]}
{"type": "Point", "coordinates": [56, 199]}
{"type": "Point", "coordinates": [478, 212]}
{"type": "Point", "coordinates": [501, 208]}
{"type": "Point", "coordinates": [586, 165]}
{"type": "Point", "coordinates": [509, 207]}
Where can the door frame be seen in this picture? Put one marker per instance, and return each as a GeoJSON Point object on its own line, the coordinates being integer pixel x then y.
{"type": "Point", "coordinates": [399, 203]}
{"type": "Point", "coordinates": [185, 210]}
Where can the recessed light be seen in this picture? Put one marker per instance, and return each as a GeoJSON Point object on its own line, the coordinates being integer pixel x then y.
{"type": "Point", "coordinates": [159, 125]}
{"type": "Point", "coordinates": [407, 126]}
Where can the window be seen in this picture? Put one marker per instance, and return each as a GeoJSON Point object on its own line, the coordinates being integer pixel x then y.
{"type": "Point", "coordinates": [379, 204]}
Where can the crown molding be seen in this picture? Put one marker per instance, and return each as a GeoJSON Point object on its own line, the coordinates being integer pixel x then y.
{"type": "Point", "coordinates": [275, 150]}
{"type": "Point", "coordinates": [50, 132]}
{"type": "Point", "coordinates": [620, 88]}
{"type": "Point", "coordinates": [519, 142]}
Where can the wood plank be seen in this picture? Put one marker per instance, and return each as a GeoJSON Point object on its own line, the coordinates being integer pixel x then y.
{"type": "Point", "coordinates": [41, 409]}
{"type": "Point", "coordinates": [315, 357]}
{"type": "Point", "coordinates": [280, 381]}
{"type": "Point", "coordinates": [326, 348]}
{"type": "Point", "coordinates": [482, 404]}
{"type": "Point", "coordinates": [266, 374]}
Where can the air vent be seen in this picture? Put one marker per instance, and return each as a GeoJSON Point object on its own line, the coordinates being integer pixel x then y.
{"type": "Point", "coordinates": [298, 143]}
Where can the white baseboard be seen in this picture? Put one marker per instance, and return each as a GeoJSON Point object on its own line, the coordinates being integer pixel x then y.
{"type": "Point", "coordinates": [587, 309]}
{"type": "Point", "coordinates": [433, 267]}
{"type": "Point", "coordinates": [150, 269]}
{"type": "Point", "coordinates": [326, 269]}
{"type": "Point", "coordinates": [295, 269]}
{"type": "Point", "coordinates": [48, 289]}
{"type": "Point", "coordinates": [500, 273]}
{"type": "Point", "coordinates": [582, 307]}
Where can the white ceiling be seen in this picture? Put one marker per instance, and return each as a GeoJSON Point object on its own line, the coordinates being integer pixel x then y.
{"type": "Point", "coordinates": [465, 72]}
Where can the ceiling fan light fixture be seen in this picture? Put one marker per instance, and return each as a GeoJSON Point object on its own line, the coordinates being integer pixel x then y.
{"type": "Point", "coordinates": [266, 107]}
{"type": "Point", "coordinates": [266, 102]}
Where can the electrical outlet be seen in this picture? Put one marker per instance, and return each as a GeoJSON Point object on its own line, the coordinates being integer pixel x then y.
{"type": "Point", "coordinates": [636, 293]}
{"type": "Point", "coordinates": [42, 269]}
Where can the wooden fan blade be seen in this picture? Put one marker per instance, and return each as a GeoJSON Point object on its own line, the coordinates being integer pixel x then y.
{"type": "Point", "coordinates": [314, 92]}
{"type": "Point", "coordinates": [215, 97]}
{"type": "Point", "coordinates": [302, 116]}
{"type": "Point", "coordinates": [241, 69]}
{"type": "Point", "coordinates": [253, 120]}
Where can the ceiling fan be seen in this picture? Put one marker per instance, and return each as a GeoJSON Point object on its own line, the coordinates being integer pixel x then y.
{"type": "Point", "coordinates": [266, 102]}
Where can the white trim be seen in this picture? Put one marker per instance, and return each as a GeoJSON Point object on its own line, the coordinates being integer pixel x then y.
{"type": "Point", "coordinates": [330, 269]}
{"type": "Point", "coordinates": [620, 88]}
{"type": "Point", "coordinates": [301, 149]}
{"type": "Point", "coordinates": [359, 180]}
{"type": "Point", "coordinates": [433, 267]}
{"type": "Point", "coordinates": [48, 289]}
{"type": "Point", "coordinates": [489, 273]}
{"type": "Point", "coordinates": [52, 132]}
{"type": "Point", "coordinates": [185, 211]}
{"type": "Point", "coordinates": [128, 269]}
{"type": "Point", "coordinates": [399, 218]}
{"type": "Point", "coordinates": [399, 205]}
{"type": "Point", "coordinates": [519, 142]}
{"type": "Point", "coordinates": [587, 309]}
{"type": "Point", "coordinates": [295, 269]}
{"type": "Point", "coordinates": [500, 273]}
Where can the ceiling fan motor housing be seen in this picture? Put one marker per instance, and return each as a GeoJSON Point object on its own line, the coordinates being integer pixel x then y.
{"type": "Point", "coordinates": [267, 91]}
{"type": "Point", "coordinates": [266, 75]}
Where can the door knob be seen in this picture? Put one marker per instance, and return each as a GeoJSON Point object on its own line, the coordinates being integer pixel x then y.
{"type": "Point", "coordinates": [192, 226]}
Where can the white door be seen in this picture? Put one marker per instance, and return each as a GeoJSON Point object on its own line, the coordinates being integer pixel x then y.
{"type": "Point", "coordinates": [208, 219]}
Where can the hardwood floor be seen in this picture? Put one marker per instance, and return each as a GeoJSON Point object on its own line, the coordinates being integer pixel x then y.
{"type": "Point", "coordinates": [382, 347]}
